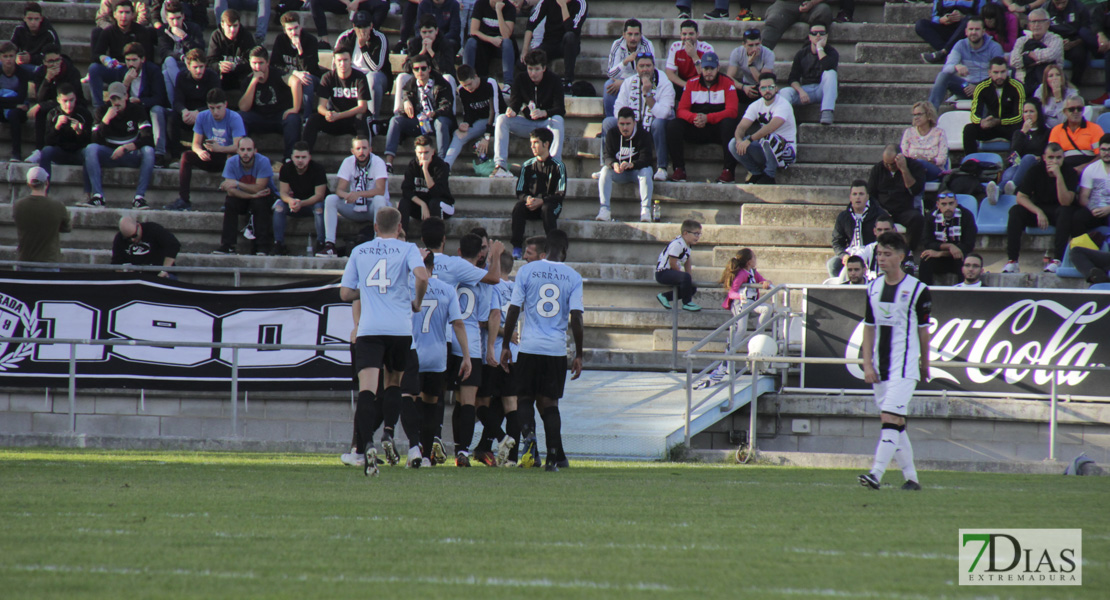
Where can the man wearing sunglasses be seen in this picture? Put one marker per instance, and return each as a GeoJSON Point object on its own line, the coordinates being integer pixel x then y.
{"type": "Point", "coordinates": [1077, 136]}
{"type": "Point", "coordinates": [427, 108]}
{"type": "Point", "coordinates": [813, 75]}
{"type": "Point", "coordinates": [145, 244]}
{"type": "Point", "coordinates": [774, 144]}
{"type": "Point", "coordinates": [953, 238]}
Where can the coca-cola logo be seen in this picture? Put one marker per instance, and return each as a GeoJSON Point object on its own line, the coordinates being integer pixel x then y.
{"type": "Point", "coordinates": [1007, 338]}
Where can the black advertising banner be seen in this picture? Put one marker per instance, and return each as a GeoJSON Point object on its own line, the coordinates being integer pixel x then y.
{"type": "Point", "coordinates": [64, 306]}
{"type": "Point", "coordinates": [1011, 325]}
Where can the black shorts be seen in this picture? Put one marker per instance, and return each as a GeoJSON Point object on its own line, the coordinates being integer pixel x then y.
{"type": "Point", "coordinates": [377, 351]}
{"type": "Point", "coordinates": [540, 375]}
{"type": "Point", "coordinates": [453, 365]}
{"type": "Point", "coordinates": [410, 381]}
{"type": "Point", "coordinates": [431, 383]}
{"type": "Point", "coordinates": [496, 383]}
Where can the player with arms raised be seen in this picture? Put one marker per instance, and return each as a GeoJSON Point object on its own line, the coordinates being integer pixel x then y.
{"type": "Point", "coordinates": [550, 293]}
{"type": "Point", "coordinates": [377, 274]}
{"type": "Point", "coordinates": [898, 308]}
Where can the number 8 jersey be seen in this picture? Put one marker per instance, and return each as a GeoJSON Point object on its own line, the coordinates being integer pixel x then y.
{"type": "Point", "coordinates": [546, 293]}
{"type": "Point", "coordinates": [379, 270]}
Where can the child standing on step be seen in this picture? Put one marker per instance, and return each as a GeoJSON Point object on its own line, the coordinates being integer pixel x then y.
{"type": "Point", "coordinates": [740, 271]}
{"type": "Point", "coordinates": [674, 267]}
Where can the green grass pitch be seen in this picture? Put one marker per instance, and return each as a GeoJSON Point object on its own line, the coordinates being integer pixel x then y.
{"type": "Point", "coordinates": [105, 524]}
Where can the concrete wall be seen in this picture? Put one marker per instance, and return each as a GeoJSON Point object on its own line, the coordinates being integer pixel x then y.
{"type": "Point", "coordinates": [953, 429]}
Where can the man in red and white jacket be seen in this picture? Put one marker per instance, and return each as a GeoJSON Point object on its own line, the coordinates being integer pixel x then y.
{"type": "Point", "coordinates": [707, 114]}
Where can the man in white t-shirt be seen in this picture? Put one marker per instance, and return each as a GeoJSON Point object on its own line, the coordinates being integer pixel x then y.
{"type": "Point", "coordinates": [359, 194]}
{"type": "Point", "coordinates": [972, 271]}
{"type": "Point", "coordinates": [775, 144]}
{"type": "Point", "coordinates": [1093, 205]}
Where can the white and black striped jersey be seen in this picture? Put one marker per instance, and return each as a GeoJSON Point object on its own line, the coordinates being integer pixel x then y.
{"type": "Point", "coordinates": [896, 312]}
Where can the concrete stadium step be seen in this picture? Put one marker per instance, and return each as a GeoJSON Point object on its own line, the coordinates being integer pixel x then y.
{"type": "Point", "coordinates": [687, 337]}
{"type": "Point", "coordinates": [778, 256]}
{"type": "Point", "coordinates": [784, 216]}
{"type": "Point", "coordinates": [862, 154]}
{"type": "Point", "coordinates": [873, 114]}
{"type": "Point", "coordinates": [884, 52]}
{"type": "Point", "coordinates": [853, 135]}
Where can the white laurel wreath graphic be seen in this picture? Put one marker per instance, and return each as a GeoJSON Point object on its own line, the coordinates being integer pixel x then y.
{"type": "Point", "coordinates": [30, 329]}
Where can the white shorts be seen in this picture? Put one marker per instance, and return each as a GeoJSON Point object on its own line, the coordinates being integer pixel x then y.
{"type": "Point", "coordinates": [894, 395]}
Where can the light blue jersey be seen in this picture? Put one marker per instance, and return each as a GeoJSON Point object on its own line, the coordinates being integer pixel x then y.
{"type": "Point", "coordinates": [503, 294]}
{"type": "Point", "coordinates": [379, 270]}
{"type": "Point", "coordinates": [454, 270]}
{"type": "Point", "coordinates": [474, 301]}
{"type": "Point", "coordinates": [546, 293]}
{"type": "Point", "coordinates": [429, 326]}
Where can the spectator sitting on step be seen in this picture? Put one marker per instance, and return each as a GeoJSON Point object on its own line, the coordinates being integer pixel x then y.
{"type": "Point", "coordinates": [967, 65]}
{"type": "Point", "coordinates": [360, 192]}
{"type": "Point", "coordinates": [68, 131]}
{"type": "Point", "coordinates": [175, 40]}
{"type": "Point", "coordinates": [555, 26]}
{"type": "Point", "coordinates": [38, 220]}
{"type": "Point", "coordinates": [622, 62]}
{"type": "Point", "coordinates": [491, 26]}
{"type": "Point", "coordinates": [1094, 264]}
{"type": "Point", "coordinates": [896, 183]}
{"type": "Point", "coordinates": [1026, 147]}
{"type": "Point", "coordinates": [107, 49]}
{"type": "Point", "coordinates": [628, 156]}
{"type": "Point", "coordinates": [1044, 198]}
{"type": "Point", "coordinates": [1053, 94]}
{"type": "Point", "coordinates": [971, 272]}
{"type": "Point", "coordinates": [870, 258]}
{"type": "Point", "coordinates": [540, 189]}
{"type": "Point", "coordinates": [945, 25]}
{"type": "Point", "coordinates": [1077, 136]}
{"type": "Point", "coordinates": [706, 114]}
{"type": "Point", "coordinates": [854, 227]}
{"type": "Point", "coordinates": [369, 56]}
{"type": "Point", "coordinates": [342, 103]}
{"type": "Point", "coordinates": [537, 100]}
{"type": "Point", "coordinates": [1033, 52]}
{"type": "Point", "coordinates": [1092, 206]}
{"type": "Point", "coordinates": [302, 187]}
{"type": "Point", "coordinates": [426, 189]}
{"type": "Point", "coordinates": [57, 69]}
{"type": "Point", "coordinates": [145, 244]}
{"type": "Point", "coordinates": [952, 238]}
{"type": "Point", "coordinates": [269, 104]}
{"type": "Point", "coordinates": [1071, 20]}
{"type": "Point", "coordinates": [148, 89]}
{"type": "Point", "coordinates": [249, 185]}
{"type": "Point", "coordinates": [675, 265]}
{"type": "Point", "coordinates": [262, 7]}
{"type": "Point", "coordinates": [775, 144]}
{"type": "Point", "coordinates": [377, 9]}
{"type": "Point", "coordinates": [15, 97]}
{"type": "Point", "coordinates": [1000, 24]}
{"type": "Point", "coordinates": [813, 75]}
{"type": "Point", "coordinates": [481, 103]}
{"type": "Point", "coordinates": [32, 36]}
{"type": "Point", "coordinates": [855, 270]}
{"type": "Point", "coordinates": [229, 50]}
{"type": "Point", "coordinates": [684, 56]}
{"type": "Point", "coordinates": [297, 55]}
{"type": "Point", "coordinates": [785, 13]}
{"type": "Point", "coordinates": [190, 97]}
{"type": "Point", "coordinates": [121, 137]}
{"type": "Point", "coordinates": [216, 135]}
{"type": "Point", "coordinates": [432, 41]}
{"type": "Point", "coordinates": [746, 63]}
{"type": "Point", "coordinates": [995, 107]}
{"type": "Point", "coordinates": [652, 105]}
{"type": "Point", "coordinates": [924, 142]}
{"type": "Point", "coordinates": [427, 108]}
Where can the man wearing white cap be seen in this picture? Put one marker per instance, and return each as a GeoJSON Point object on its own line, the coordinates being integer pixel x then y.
{"type": "Point", "coordinates": [39, 220]}
{"type": "Point", "coordinates": [121, 137]}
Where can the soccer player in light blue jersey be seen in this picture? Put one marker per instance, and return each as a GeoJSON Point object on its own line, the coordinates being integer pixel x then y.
{"type": "Point", "coordinates": [497, 395]}
{"type": "Point", "coordinates": [377, 274]}
{"type": "Point", "coordinates": [550, 294]}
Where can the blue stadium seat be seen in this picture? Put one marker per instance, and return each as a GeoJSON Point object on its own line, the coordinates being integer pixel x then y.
{"type": "Point", "coordinates": [995, 145]}
{"type": "Point", "coordinates": [1067, 268]}
{"type": "Point", "coordinates": [968, 203]}
{"type": "Point", "coordinates": [1100, 287]}
{"type": "Point", "coordinates": [1097, 63]}
{"type": "Point", "coordinates": [1103, 121]}
{"type": "Point", "coordinates": [992, 218]}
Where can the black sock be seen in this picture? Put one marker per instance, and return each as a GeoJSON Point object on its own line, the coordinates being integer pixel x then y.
{"type": "Point", "coordinates": [376, 417]}
{"type": "Point", "coordinates": [410, 420]}
{"type": "Point", "coordinates": [441, 409]}
{"type": "Point", "coordinates": [553, 432]}
{"type": "Point", "coordinates": [481, 415]}
{"type": "Point", "coordinates": [512, 429]}
{"type": "Point", "coordinates": [428, 425]}
{"type": "Point", "coordinates": [365, 416]}
{"type": "Point", "coordinates": [526, 413]}
{"type": "Point", "coordinates": [492, 424]}
{"type": "Point", "coordinates": [391, 408]}
{"type": "Point", "coordinates": [465, 432]}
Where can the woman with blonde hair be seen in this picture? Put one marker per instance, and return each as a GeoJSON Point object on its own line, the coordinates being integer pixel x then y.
{"type": "Point", "coordinates": [924, 142]}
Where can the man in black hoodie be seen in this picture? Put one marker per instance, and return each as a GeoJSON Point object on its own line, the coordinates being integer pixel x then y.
{"type": "Point", "coordinates": [270, 104]}
{"type": "Point", "coordinates": [555, 26]}
{"type": "Point", "coordinates": [13, 108]}
{"type": "Point", "coordinates": [190, 96]}
{"type": "Point", "coordinates": [950, 238]}
{"type": "Point", "coordinates": [344, 98]}
{"type": "Point", "coordinates": [175, 40]}
{"type": "Point", "coordinates": [854, 226]}
{"type": "Point", "coordinates": [108, 58]}
{"type": "Point", "coordinates": [536, 101]}
{"type": "Point", "coordinates": [540, 189]}
{"type": "Point", "coordinates": [426, 190]}
{"type": "Point", "coordinates": [121, 137]}
{"type": "Point", "coordinates": [33, 35]}
{"type": "Point", "coordinates": [629, 157]}
{"type": "Point", "coordinates": [428, 107]}
{"type": "Point", "coordinates": [229, 50]}
{"type": "Point", "coordinates": [69, 126]}
{"type": "Point", "coordinates": [56, 70]}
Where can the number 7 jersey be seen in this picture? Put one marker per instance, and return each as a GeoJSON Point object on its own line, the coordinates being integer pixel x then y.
{"type": "Point", "coordinates": [546, 293]}
{"type": "Point", "coordinates": [379, 270]}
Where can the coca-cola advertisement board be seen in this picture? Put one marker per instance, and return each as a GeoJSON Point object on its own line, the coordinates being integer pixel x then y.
{"type": "Point", "coordinates": [1003, 325]}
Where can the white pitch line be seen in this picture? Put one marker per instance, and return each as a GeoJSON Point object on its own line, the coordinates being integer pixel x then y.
{"type": "Point", "coordinates": [884, 554]}
{"type": "Point", "coordinates": [361, 579]}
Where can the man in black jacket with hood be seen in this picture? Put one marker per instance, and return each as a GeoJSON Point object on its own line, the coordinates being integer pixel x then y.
{"type": "Point", "coordinates": [536, 101]}
{"type": "Point", "coordinates": [949, 237]}
{"type": "Point", "coordinates": [854, 226]}
{"type": "Point", "coordinates": [629, 157]}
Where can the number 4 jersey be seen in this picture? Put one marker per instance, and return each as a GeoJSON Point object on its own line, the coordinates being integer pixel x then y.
{"type": "Point", "coordinates": [379, 270]}
{"type": "Point", "coordinates": [546, 293]}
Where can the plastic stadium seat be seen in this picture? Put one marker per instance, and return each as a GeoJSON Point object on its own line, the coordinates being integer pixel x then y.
{"type": "Point", "coordinates": [995, 145]}
{"type": "Point", "coordinates": [932, 186]}
{"type": "Point", "coordinates": [990, 157]}
{"type": "Point", "coordinates": [968, 203]}
{"type": "Point", "coordinates": [1100, 287]}
{"type": "Point", "coordinates": [1066, 268]}
{"type": "Point", "coordinates": [1097, 63]}
{"type": "Point", "coordinates": [1103, 121]}
{"type": "Point", "coordinates": [991, 218]}
{"type": "Point", "coordinates": [1050, 230]}
{"type": "Point", "coordinates": [952, 122]}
